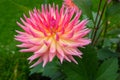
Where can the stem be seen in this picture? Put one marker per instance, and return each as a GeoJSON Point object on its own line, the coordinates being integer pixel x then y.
{"type": "Point", "coordinates": [105, 31]}
{"type": "Point", "coordinates": [98, 25]}
{"type": "Point", "coordinates": [96, 17]}
{"type": "Point", "coordinates": [98, 11]}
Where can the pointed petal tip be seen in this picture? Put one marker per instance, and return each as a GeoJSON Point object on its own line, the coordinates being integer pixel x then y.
{"type": "Point", "coordinates": [16, 31]}
{"type": "Point", "coordinates": [17, 23]}
{"type": "Point", "coordinates": [31, 66]}
{"type": "Point", "coordinates": [44, 64]}
{"type": "Point", "coordinates": [61, 60]}
{"type": "Point", "coordinates": [18, 45]}
{"type": "Point", "coordinates": [21, 50]}
{"type": "Point", "coordinates": [79, 56]}
{"type": "Point", "coordinates": [76, 62]}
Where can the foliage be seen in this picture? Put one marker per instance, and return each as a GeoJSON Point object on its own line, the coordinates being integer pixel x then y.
{"type": "Point", "coordinates": [100, 60]}
{"type": "Point", "coordinates": [108, 69]}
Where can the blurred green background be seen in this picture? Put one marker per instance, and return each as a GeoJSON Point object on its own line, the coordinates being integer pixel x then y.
{"type": "Point", "coordinates": [13, 64]}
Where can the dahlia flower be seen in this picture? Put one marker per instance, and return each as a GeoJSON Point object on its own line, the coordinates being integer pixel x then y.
{"type": "Point", "coordinates": [49, 32]}
{"type": "Point", "coordinates": [70, 4]}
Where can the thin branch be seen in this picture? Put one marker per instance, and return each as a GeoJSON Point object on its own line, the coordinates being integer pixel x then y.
{"type": "Point", "coordinates": [96, 17]}
{"type": "Point", "coordinates": [98, 25]}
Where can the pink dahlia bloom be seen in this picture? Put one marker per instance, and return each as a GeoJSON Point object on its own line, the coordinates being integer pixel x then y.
{"type": "Point", "coordinates": [49, 32]}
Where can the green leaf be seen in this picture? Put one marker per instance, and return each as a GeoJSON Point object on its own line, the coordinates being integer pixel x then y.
{"type": "Point", "coordinates": [106, 53]}
{"type": "Point", "coordinates": [107, 42]}
{"type": "Point", "coordinates": [118, 78]}
{"type": "Point", "coordinates": [90, 58]}
{"type": "Point", "coordinates": [113, 12]}
{"type": "Point", "coordinates": [50, 69]}
{"type": "Point", "coordinates": [85, 6]}
{"type": "Point", "coordinates": [114, 31]}
{"type": "Point", "coordinates": [36, 69]}
{"type": "Point", "coordinates": [108, 70]}
{"type": "Point", "coordinates": [84, 70]}
{"type": "Point", "coordinates": [58, 76]}
{"type": "Point", "coordinates": [73, 71]}
{"type": "Point", "coordinates": [115, 40]}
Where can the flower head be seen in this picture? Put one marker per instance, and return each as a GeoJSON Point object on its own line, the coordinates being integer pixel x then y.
{"type": "Point", "coordinates": [49, 32]}
{"type": "Point", "coordinates": [70, 4]}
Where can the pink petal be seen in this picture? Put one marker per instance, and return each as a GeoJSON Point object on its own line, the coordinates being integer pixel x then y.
{"type": "Point", "coordinates": [32, 49]}
{"type": "Point", "coordinates": [35, 64]}
{"type": "Point", "coordinates": [45, 59]}
{"type": "Point", "coordinates": [43, 49]}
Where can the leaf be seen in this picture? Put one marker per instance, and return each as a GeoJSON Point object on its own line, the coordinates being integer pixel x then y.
{"type": "Point", "coordinates": [90, 58]}
{"type": "Point", "coordinates": [113, 12]}
{"type": "Point", "coordinates": [107, 42]}
{"type": "Point", "coordinates": [115, 40]}
{"type": "Point", "coordinates": [106, 53]}
{"type": "Point", "coordinates": [73, 71]}
{"type": "Point", "coordinates": [58, 76]}
{"type": "Point", "coordinates": [36, 69]}
{"type": "Point", "coordinates": [108, 70]}
{"type": "Point", "coordinates": [114, 31]}
{"type": "Point", "coordinates": [84, 70]}
{"type": "Point", "coordinates": [50, 69]}
{"type": "Point", "coordinates": [85, 6]}
{"type": "Point", "coordinates": [118, 78]}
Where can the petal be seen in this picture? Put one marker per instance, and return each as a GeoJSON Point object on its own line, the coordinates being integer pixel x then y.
{"type": "Point", "coordinates": [60, 50]}
{"type": "Point", "coordinates": [43, 49]}
{"type": "Point", "coordinates": [69, 43]}
{"type": "Point", "coordinates": [71, 57]}
{"type": "Point", "coordinates": [32, 49]}
{"type": "Point", "coordinates": [81, 25]}
{"type": "Point", "coordinates": [45, 59]}
{"type": "Point", "coordinates": [51, 56]}
{"type": "Point", "coordinates": [72, 51]}
{"type": "Point", "coordinates": [24, 45]}
{"type": "Point", "coordinates": [81, 34]}
{"type": "Point", "coordinates": [35, 64]}
{"type": "Point", "coordinates": [23, 27]}
{"type": "Point", "coordinates": [53, 47]}
{"type": "Point", "coordinates": [66, 57]}
{"type": "Point", "coordinates": [57, 37]}
{"type": "Point", "coordinates": [84, 41]}
{"type": "Point", "coordinates": [60, 57]}
{"type": "Point", "coordinates": [33, 57]}
{"type": "Point", "coordinates": [69, 34]}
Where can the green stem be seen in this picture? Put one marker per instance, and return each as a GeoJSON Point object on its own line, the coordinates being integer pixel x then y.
{"type": "Point", "coordinates": [100, 34]}
{"type": "Point", "coordinates": [96, 18]}
{"type": "Point", "coordinates": [98, 25]}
